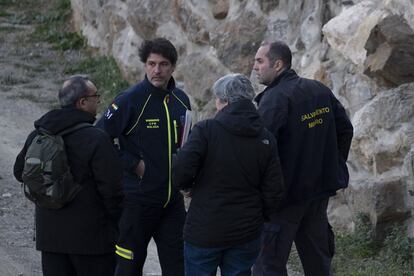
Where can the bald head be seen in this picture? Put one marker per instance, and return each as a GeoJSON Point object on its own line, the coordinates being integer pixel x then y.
{"type": "Point", "coordinates": [73, 89]}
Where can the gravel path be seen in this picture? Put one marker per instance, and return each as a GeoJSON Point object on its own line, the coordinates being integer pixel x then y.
{"type": "Point", "coordinates": [23, 79]}
{"type": "Point", "coordinates": [30, 75]}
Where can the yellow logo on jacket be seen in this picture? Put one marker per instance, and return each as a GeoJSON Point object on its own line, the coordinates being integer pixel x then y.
{"type": "Point", "coordinates": [315, 117]}
{"type": "Point", "coordinates": [152, 123]}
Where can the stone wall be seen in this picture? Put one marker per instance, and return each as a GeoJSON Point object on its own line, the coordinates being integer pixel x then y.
{"type": "Point", "coordinates": [363, 50]}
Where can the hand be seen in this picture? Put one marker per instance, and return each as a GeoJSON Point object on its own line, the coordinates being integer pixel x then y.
{"type": "Point", "coordinates": [140, 168]}
{"type": "Point", "coordinates": [187, 193]}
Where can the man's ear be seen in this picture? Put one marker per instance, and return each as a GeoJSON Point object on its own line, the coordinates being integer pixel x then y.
{"type": "Point", "coordinates": [278, 66]}
{"type": "Point", "coordinates": [80, 103]}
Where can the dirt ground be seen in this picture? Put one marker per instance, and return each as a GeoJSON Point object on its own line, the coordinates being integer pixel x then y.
{"type": "Point", "coordinates": [30, 76]}
{"type": "Point", "coordinates": [27, 89]}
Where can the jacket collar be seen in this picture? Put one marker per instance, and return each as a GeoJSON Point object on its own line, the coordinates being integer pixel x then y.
{"type": "Point", "coordinates": [160, 91]}
{"type": "Point", "coordinates": [59, 119]}
{"type": "Point", "coordinates": [285, 75]}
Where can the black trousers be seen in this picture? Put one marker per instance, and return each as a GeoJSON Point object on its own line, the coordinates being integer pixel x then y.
{"type": "Point", "coordinates": [77, 265]}
{"type": "Point", "coordinates": [138, 225]}
{"type": "Point", "coordinates": [307, 225]}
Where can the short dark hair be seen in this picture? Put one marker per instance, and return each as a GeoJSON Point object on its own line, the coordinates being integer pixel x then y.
{"type": "Point", "coordinates": [279, 50]}
{"type": "Point", "coordinates": [159, 46]}
{"type": "Point", "coordinates": [76, 87]}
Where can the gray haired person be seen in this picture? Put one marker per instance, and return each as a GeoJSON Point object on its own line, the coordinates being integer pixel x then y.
{"type": "Point", "coordinates": [232, 88]}
{"type": "Point", "coordinates": [79, 238]}
{"type": "Point", "coordinates": [231, 164]}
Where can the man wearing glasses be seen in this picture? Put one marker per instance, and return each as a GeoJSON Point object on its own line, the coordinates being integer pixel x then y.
{"type": "Point", "coordinates": [79, 238]}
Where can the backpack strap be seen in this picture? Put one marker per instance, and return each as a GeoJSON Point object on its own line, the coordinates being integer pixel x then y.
{"type": "Point", "coordinates": [73, 128]}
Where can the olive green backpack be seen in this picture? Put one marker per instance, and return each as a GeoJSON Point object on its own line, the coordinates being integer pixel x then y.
{"type": "Point", "coordinates": [47, 180]}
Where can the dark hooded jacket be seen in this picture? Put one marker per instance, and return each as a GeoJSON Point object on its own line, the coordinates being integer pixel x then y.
{"type": "Point", "coordinates": [313, 133]}
{"type": "Point", "coordinates": [231, 164]}
{"type": "Point", "coordinates": [87, 224]}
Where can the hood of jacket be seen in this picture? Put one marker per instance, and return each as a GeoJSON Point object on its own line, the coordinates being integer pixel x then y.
{"type": "Point", "coordinates": [240, 118]}
{"type": "Point", "coordinates": [58, 120]}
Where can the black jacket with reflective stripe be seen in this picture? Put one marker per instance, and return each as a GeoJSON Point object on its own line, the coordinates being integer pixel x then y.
{"type": "Point", "coordinates": [313, 133]}
{"type": "Point", "coordinates": [148, 122]}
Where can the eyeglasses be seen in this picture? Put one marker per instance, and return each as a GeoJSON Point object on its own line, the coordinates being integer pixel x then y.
{"type": "Point", "coordinates": [92, 96]}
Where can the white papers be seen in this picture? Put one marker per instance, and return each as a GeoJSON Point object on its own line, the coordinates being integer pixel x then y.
{"type": "Point", "coordinates": [187, 123]}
